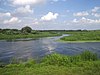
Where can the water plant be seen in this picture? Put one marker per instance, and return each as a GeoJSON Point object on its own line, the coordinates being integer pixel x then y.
{"type": "Point", "coordinates": [86, 63]}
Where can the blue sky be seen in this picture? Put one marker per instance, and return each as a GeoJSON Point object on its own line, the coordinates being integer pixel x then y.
{"type": "Point", "coordinates": [50, 14]}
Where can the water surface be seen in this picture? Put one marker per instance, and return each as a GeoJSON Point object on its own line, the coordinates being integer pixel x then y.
{"type": "Point", "coordinates": [41, 47]}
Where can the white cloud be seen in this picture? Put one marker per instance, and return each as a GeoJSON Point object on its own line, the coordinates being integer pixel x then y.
{"type": "Point", "coordinates": [49, 16]}
{"type": "Point", "coordinates": [96, 14]}
{"type": "Point", "coordinates": [13, 20]}
{"type": "Point", "coordinates": [27, 2]}
{"type": "Point", "coordinates": [75, 20]}
{"type": "Point", "coordinates": [24, 10]}
{"type": "Point", "coordinates": [84, 13]}
{"type": "Point", "coordinates": [95, 9]}
{"type": "Point", "coordinates": [5, 14]}
{"type": "Point", "coordinates": [84, 20]}
{"type": "Point", "coordinates": [35, 23]}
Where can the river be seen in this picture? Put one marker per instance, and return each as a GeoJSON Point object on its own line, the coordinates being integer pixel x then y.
{"type": "Point", "coordinates": [40, 47]}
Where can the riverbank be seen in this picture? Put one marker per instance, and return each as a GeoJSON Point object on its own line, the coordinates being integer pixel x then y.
{"type": "Point", "coordinates": [29, 35]}
{"type": "Point", "coordinates": [86, 41]}
{"type": "Point", "coordinates": [85, 63]}
{"type": "Point", "coordinates": [84, 36]}
{"type": "Point", "coordinates": [74, 36]}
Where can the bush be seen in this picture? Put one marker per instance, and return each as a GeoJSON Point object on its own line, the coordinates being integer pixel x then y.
{"type": "Point", "coordinates": [88, 56]}
{"type": "Point", "coordinates": [56, 64]}
{"type": "Point", "coordinates": [56, 59]}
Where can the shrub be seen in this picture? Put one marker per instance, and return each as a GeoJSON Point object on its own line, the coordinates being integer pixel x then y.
{"type": "Point", "coordinates": [56, 59]}
{"type": "Point", "coordinates": [88, 56]}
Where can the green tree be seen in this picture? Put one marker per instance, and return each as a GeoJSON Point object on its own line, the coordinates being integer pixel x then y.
{"type": "Point", "coordinates": [0, 30]}
{"type": "Point", "coordinates": [26, 29]}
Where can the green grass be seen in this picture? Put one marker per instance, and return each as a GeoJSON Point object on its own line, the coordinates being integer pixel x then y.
{"type": "Point", "coordinates": [86, 63]}
{"type": "Point", "coordinates": [84, 36]}
{"type": "Point", "coordinates": [79, 36]}
{"type": "Point", "coordinates": [29, 35]}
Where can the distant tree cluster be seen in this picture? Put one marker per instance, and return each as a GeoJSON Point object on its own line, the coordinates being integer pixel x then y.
{"type": "Point", "coordinates": [24, 30]}
{"type": "Point", "coordinates": [9, 31]}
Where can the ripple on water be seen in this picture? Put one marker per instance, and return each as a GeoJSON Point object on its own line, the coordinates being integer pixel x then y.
{"type": "Point", "coordinates": [41, 47]}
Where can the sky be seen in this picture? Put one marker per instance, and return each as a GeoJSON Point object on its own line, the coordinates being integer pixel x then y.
{"type": "Point", "coordinates": [50, 14]}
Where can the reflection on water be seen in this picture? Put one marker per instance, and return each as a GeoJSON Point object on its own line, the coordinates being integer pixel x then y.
{"type": "Point", "coordinates": [41, 47]}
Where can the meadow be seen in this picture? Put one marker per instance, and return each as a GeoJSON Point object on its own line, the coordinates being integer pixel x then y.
{"type": "Point", "coordinates": [28, 35]}
{"type": "Point", "coordinates": [82, 36]}
{"type": "Point", "coordinates": [86, 63]}
{"type": "Point", "coordinates": [74, 35]}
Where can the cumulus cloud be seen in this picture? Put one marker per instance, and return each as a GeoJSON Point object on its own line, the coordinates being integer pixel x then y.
{"type": "Point", "coordinates": [75, 20]}
{"type": "Point", "coordinates": [84, 13]}
{"type": "Point", "coordinates": [27, 2]}
{"type": "Point", "coordinates": [96, 14]}
{"type": "Point", "coordinates": [84, 20]}
{"type": "Point", "coordinates": [8, 14]}
{"type": "Point", "coordinates": [35, 23]}
{"type": "Point", "coordinates": [50, 16]}
{"type": "Point", "coordinates": [24, 10]}
{"type": "Point", "coordinates": [95, 9]}
{"type": "Point", "coordinates": [13, 20]}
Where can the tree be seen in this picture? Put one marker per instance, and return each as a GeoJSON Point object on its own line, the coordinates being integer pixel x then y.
{"type": "Point", "coordinates": [0, 29]}
{"type": "Point", "coordinates": [26, 29]}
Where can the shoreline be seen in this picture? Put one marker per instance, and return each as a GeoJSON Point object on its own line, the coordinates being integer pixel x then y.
{"type": "Point", "coordinates": [77, 41]}
{"type": "Point", "coordinates": [26, 37]}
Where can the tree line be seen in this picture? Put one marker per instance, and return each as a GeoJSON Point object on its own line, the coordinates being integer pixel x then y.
{"type": "Point", "coordinates": [24, 30]}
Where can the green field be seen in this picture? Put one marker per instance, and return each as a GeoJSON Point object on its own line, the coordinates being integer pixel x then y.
{"type": "Point", "coordinates": [85, 63]}
{"type": "Point", "coordinates": [74, 35]}
{"type": "Point", "coordinates": [82, 36]}
{"type": "Point", "coordinates": [29, 35]}
{"type": "Point", "coordinates": [25, 32]}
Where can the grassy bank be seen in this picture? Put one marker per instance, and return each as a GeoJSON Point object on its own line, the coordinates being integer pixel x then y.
{"type": "Point", "coordinates": [29, 35]}
{"type": "Point", "coordinates": [85, 63]}
{"type": "Point", "coordinates": [78, 41]}
{"type": "Point", "coordinates": [25, 32]}
{"type": "Point", "coordinates": [75, 36]}
{"type": "Point", "coordinates": [82, 36]}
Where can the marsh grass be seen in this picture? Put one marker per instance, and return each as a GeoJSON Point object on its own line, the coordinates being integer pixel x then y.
{"type": "Point", "coordinates": [29, 35]}
{"type": "Point", "coordinates": [57, 64]}
{"type": "Point", "coordinates": [82, 36]}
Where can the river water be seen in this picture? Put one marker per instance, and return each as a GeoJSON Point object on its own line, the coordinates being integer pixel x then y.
{"type": "Point", "coordinates": [40, 47]}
